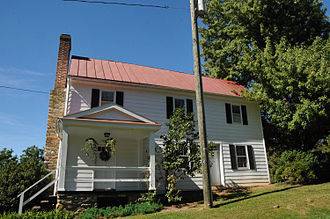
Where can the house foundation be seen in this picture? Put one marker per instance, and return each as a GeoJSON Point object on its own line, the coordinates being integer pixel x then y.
{"type": "Point", "coordinates": [79, 201]}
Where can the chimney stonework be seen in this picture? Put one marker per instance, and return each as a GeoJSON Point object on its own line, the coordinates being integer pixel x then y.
{"type": "Point", "coordinates": [57, 102]}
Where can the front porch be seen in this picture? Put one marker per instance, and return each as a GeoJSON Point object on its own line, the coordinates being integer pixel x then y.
{"type": "Point", "coordinates": [131, 166]}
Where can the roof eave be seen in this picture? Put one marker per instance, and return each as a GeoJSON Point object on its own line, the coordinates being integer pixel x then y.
{"type": "Point", "coordinates": [79, 78]}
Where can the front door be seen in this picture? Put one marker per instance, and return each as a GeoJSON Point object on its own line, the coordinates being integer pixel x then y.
{"type": "Point", "coordinates": [215, 167]}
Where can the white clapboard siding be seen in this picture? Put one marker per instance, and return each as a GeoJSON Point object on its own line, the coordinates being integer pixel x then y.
{"type": "Point", "coordinates": [246, 177]}
{"type": "Point", "coordinates": [151, 103]}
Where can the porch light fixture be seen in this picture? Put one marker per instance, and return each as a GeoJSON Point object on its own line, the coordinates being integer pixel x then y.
{"type": "Point", "coordinates": [107, 134]}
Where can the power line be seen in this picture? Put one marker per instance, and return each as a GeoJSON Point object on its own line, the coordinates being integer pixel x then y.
{"type": "Point", "coordinates": [26, 90]}
{"type": "Point", "coordinates": [126, 4]}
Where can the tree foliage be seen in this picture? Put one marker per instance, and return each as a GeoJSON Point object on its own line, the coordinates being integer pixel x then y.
{"type": "Point", "coordinates": [293, 87]}
{"type": "Point", "coordinates": [181, 151]}
{"type": "Point", "coordinates": [279, 49]}
{"type": "Point", "coordinates": [233, 27]}
{"type": "Point", "coordinates": [18, 174]}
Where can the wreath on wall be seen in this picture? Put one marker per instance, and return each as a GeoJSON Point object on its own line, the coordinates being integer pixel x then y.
{"type": "Point", "coordinates": [91, 148]}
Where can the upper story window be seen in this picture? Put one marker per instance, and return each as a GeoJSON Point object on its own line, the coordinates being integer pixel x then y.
{"type": "Point", "coordinates": [107, 97]}
{"type": "Point", "coordinates": [242, 157]}
{"type": "Point", "coordinates": [179, 103]}
{"type": "Point", "coordinates": [236, 114]}
{"type": "Point", "coordinates": [100, 98]}
{"type": "Point", "coordinates": [174, 103]}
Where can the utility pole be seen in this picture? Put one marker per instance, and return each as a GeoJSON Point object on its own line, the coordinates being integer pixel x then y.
{"type": "Point", "coordinates": [207, 193]}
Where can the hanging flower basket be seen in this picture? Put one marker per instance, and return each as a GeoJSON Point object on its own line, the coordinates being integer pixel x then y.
{"type": "Point", "coordinates": [90, 148]}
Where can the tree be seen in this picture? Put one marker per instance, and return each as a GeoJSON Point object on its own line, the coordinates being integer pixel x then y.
{"type": "Point", "coordinates": [18, 174]}
{"type": "Point", "coordinates": [292, 84]}
{"type": "Point", "coordinates": [279, 50]}
{"type": "Point", "coordinates": [181, 151]}
{"type": "Point", "coordinates": [232, 28]}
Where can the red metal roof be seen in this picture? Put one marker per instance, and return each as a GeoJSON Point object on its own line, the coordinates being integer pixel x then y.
{"type": "Point", "coordinates": [131, 73]}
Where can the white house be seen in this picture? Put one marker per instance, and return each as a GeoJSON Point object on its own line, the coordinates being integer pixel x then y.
{"type": "Point", "coordinates": [133, 103]}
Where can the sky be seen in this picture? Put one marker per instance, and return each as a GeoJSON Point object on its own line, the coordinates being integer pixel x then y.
{"type": "Point", "coordinates": [29, 40]}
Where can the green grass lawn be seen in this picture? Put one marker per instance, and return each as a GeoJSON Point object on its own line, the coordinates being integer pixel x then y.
{"type": "Point", "coordinates": [311, 201]}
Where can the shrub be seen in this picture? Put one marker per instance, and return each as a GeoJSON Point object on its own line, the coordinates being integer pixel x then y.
{"type": "Point", "coordinates": [19, 174]}
{"type": "Point", "coordinates": [322, 151]}
{"type": "Point", "coordinates": [121, 211]}
{"type": "Point", "coordinates": [294, 167]}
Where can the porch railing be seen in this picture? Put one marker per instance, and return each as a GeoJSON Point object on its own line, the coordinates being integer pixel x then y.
{"type": "Point", "coordinates": [21, 199]}
{"type": "Point", "coordinates": [117, 169]}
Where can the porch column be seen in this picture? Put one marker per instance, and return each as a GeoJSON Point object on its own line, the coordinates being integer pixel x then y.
{"type": "Point", "coordinates": [152, 179]}
{"type": "Point", "coordinates": [62, 160]}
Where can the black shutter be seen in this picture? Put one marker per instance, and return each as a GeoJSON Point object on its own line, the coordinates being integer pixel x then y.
{"type": "Point", "coordinates": [169, 106]}
{"type": "Point", "coordinates": [233, 157]}
{"type": "Point", "coordinates": [120, 98]}
{"type": "Point", "coordinates": [244, 115]}
{"type": "Point", "coordinates": [228, 113]}
{"type": "Point", "coordinates": [251, 158]}
{"type": "Point", "coordinates": [190, 108]}
{"type": "Point", "coordinates": [95, 98]}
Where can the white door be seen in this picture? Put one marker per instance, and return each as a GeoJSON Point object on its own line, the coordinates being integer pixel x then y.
{"type": "Point", "coordinates": [215, 167]}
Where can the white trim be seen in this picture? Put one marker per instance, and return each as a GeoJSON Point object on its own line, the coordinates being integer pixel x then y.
{"type": "Point", "coordinates": [240, 114]}
{"type": "Point", "coordinates": [106, 124]}
{"type": "Point", "coordinates": [221, 164]}
{"type": "Point", "coordinates": [110, 180]}
{"type": "Point", "coordinates": [100, 96]}
{"type": "Point", "coordinates": [152, 183]}
{"type": "Point", "coordinates": [62, 163]}
{"type": "Point", "coordinates": [103, 108]}
{"type": "Point", "coordinates": [68, 83]}
{"type": "Point", "coordinates": [246, 155]}
{"type": "Point", "coordinates": [110, 168]}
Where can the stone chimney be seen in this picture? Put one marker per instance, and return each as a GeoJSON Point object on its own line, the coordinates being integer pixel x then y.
{"type": "Point", "coordinates": [57, 102]}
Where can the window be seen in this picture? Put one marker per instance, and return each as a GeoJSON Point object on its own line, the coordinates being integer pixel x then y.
{"type": "Point", "coordinates": [174, 103]}
{"type": "Point", "coordinates": [178, 103]}
{"type": "Point", "coordinates": [236, 113]}
{"type": "Point", "coordinates": [242, 157]}
{"type": "Point", "coordinates": [106, 97]}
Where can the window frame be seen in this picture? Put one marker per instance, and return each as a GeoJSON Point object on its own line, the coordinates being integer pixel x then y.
{"type": "Point", "coordinates": [100, 97]}
{"type": "Point", "coordinates": [240, 113]}
{"type": "Point", "coordinates": [230, 114]}
{"type": "Point", "coordinates": [96, 97]}
{"type": "Point", "coordinates": [185, 100]}
{"type": "Point", "coordinates": [246, 156]}
{"type": "Point", "coordinates": [179, 99]}
{"type": "Point", "coordinates": [250, 157]}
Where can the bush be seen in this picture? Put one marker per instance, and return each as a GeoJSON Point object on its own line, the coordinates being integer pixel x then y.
{"type": "Point", "coordinates": [121, 211]}
{"type": "Point", "coordinates": [322, 151]}
{"type": "Point", "coordinates": [19, 174]}
{"type": "Point", "coordinates": [294, 167]}
{"type": "Point", "coordinates": [34, 214]}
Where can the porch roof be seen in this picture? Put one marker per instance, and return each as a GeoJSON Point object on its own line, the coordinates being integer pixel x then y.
{"type": "Point", "coordinates": [111, 123]}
